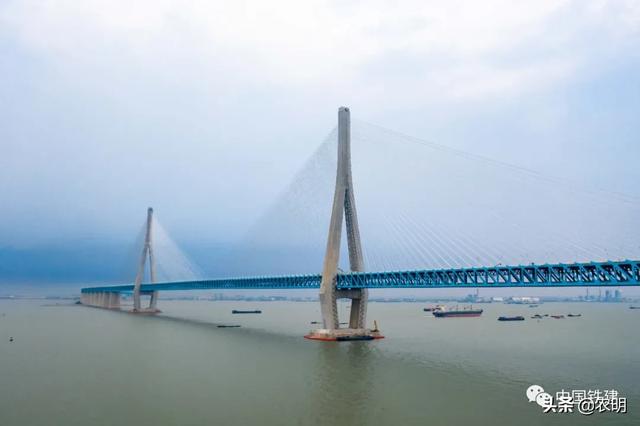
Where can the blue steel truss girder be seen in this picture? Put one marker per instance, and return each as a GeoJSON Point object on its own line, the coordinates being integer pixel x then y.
{"type": "Point", "coordinates": [623, 273]}
{"type": "Point", "coordinates": [249, 283]}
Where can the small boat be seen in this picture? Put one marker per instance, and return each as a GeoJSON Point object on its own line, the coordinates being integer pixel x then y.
{"type": "Point", "coordinates": [557, 316]}
{"type": "Point", "coordinates": [634, 307]}
{"type": "Point", "coordinates": [228, 326]}
{"type": "Point", "coordinates": [255, 311]}
{"type": "Point", "coordinates": [443, 312]}
{"type": "Point", "coordinates": [315, 322]}
{"type": "Point", "coordinates": [533, 306]}
{"type": "Point", "coordinates": [574, 315]}
{"type": "Point", "coordinates": [537, 316]}
{"type": "Point", "coordinates": [516, 318]}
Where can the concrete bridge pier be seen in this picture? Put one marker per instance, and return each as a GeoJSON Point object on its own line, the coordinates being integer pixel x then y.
{"type": "Point", "coordinates": [107, 300]}
{"type": "Point", "coordinates": [94, 299]}
{"type": "Point", "coordinates": [113, 301]}
{"type": "Point", "coordinates": [344, 206]}
{"type": "Point", "coordinates": [152, 308]}
{"type": "Point", "coordinates": [153, 302]}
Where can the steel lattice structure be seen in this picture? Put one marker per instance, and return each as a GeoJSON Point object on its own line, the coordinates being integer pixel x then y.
{"type": "Point", "coordinates": [603, 274]}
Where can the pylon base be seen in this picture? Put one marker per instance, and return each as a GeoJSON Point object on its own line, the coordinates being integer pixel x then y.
{"type": "Point", "coordinates": [145, 311]}
{"type": "Point", "coordinates": [344, 335]}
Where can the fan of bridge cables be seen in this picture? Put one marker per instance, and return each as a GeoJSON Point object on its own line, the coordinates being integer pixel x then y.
{"type": "Point", "coordinates": [422, 205]}
{"type": "Point", "coordinates": [172, 264]}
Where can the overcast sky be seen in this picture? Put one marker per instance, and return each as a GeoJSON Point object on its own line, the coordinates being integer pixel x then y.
{"type": "Point", "coordinates": [206, 109]}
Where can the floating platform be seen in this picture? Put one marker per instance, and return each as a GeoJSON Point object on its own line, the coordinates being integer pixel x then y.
{"type": "Point", "coordinates": [344, 335]}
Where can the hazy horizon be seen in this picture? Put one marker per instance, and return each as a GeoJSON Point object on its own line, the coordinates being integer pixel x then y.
{"type": "Point", "coordinates": [208, 111]}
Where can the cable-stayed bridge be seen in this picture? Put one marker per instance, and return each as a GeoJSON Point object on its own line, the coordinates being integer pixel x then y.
{"type": "Point", "coordinates": [423, 242]}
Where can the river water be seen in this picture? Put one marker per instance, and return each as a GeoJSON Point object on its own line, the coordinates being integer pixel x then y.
{"type": "Point", "coordinates": [73, 365]}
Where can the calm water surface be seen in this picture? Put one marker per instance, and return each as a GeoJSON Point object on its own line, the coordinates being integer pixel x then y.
{"type": "Point", "coordinates": [72, 365]}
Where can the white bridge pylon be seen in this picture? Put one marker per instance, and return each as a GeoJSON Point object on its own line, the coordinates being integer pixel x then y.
{"type": "Point", "coordinates": [344, 206]}
{"type": "Point", "coordinates": [147, 252]}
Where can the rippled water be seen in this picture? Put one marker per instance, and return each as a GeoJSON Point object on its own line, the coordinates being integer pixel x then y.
{"type": "Point", "coordinates": [72, 365]}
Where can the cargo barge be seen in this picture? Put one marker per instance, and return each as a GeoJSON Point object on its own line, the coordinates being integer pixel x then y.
{"type": "Point", "coordinates": [516, 318]}
{"type": "Point", "coordinates": [457, 313]}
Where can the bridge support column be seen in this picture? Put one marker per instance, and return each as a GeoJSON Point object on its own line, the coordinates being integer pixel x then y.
{"type": "Point", "coordinates": [114, 300]}
{"type": "Point", "coordinates": [102, 299]}
{"type": "Point", "coordinates": [153, 303]}
{"type": "Point", "coordinates": [147, 251]}
{"type": "Point", "coordinates": [344, 206]}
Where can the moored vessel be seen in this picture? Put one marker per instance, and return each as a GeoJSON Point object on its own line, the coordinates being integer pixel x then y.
{"type": "Point", "coordinates": [515, 318]}
{"type": "Point", "coordinates": [444, 312]}
{"type": "Point", "coordinates": [433, 308]}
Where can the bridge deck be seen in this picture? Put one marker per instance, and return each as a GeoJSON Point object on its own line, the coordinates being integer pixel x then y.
{"type": "Point", "coordinates": [622, 273]}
